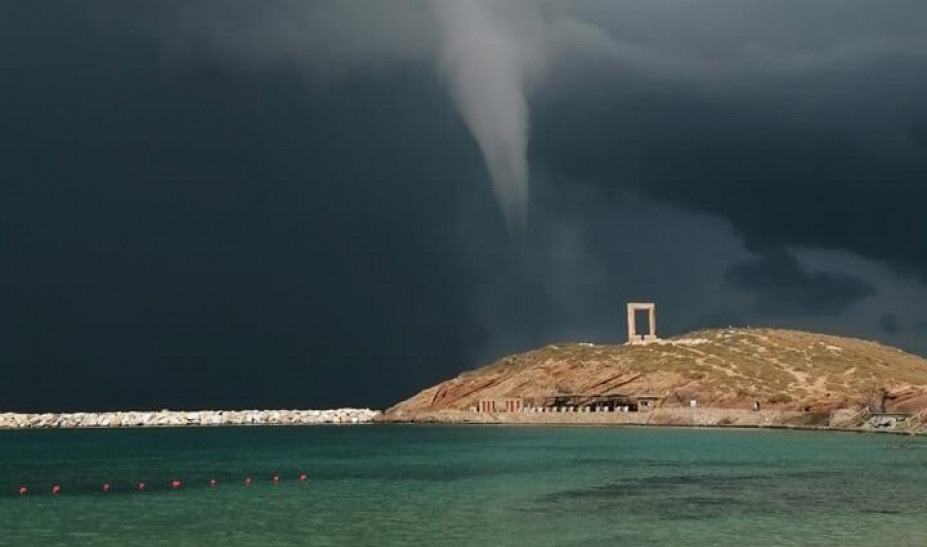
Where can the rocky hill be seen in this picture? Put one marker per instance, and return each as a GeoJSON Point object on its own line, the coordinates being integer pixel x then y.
{"type": "Point", "coordinates": [728, 368]}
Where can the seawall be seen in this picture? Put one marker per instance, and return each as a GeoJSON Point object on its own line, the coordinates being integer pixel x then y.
{"type": "Point", "coordinates": [844, 420]}
{"type": "Point", "coordinates": [186, 418]}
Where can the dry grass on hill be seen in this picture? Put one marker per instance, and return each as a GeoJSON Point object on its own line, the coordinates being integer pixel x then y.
{"type": "Point", "coordinates": [724, 368]}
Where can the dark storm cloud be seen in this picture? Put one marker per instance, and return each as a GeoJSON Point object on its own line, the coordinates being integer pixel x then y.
{"type": "Point", "coordinates": [192, 235]}
{"type": "Point", "coordinates": [809, 133]}
{"type": "Point", "coordinates": [889, 323]}
{"type": "Point", "coordinates": [753, 111]}
{"type": "Point", "coordinates": [782, 287]}
{"type": "Point", "coordinates": [278, 204]}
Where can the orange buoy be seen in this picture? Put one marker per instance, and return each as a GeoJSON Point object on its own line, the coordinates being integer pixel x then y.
{"type": "Point", "coordinates": [248, 481]}
{"type": "Point", "coordinates": [56, 490]}
{"type": "Point", "coordinates": [23, 490]}
{"type": "Point", "coordinates": [212, 483]}
{"type": "Point", "coordinates": [141, 487]}
{"type": "Point", "coordinates": [303, 477]}
{"type": "Point", "coordinates": [176, 484]}
{"type": "Point", "coordinates": [106, 487]}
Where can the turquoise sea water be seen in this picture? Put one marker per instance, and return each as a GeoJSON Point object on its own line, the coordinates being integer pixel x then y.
{"type": "Point", "coordinates": [430, 485]}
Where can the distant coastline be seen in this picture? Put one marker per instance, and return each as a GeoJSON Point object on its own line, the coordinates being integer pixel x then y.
{"type": "Point", "coordinates": [184, 418]}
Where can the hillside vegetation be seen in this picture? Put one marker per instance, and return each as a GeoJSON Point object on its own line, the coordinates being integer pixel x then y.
{"type": "Point", "coordinates": [727, 368]}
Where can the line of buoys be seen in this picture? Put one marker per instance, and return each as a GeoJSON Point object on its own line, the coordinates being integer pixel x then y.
{"type": "Point", "coordinates": [175, 484]}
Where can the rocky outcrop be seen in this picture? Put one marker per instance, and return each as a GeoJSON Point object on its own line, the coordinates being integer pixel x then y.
{"type": "Point", "coordinates": [180, 418]}
{"type": "Point", "coordinates": [827, 381]}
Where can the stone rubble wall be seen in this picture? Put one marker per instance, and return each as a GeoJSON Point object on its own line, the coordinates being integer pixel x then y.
{"type": "Point", "coordinates": [666, 416]}
{"type": "Point", "coordinates": [181, 418]}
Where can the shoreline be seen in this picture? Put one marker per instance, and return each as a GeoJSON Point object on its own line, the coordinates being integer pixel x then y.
{"type": "Point", "coordinates": [848, 420]}
{"type": "Point", "coordinates": [579, 425]}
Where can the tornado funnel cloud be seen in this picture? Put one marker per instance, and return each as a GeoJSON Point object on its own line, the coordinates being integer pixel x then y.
{"type": "Point", "coordinates": [484, 66]}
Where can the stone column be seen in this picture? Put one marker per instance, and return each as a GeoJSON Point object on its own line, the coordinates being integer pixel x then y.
{"type": "Point", "coordinates": [632, 328]}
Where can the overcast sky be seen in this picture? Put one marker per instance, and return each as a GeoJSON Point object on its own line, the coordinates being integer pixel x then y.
{"type": "Point", "coordinates": [311, 204]}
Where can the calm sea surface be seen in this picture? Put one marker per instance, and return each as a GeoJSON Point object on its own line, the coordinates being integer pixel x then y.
{"type": "Point", "coordinates": [404, 485]}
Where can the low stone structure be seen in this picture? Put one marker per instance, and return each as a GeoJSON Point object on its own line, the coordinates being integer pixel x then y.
{"type": "Point", "coordinates": [666, 416]}
{"type": "Point", "coordinates": [181, 418]}
{"type": "Point", "coordinates": [886, 421]}
{"type": "Point", "coordinates": [514, 404]}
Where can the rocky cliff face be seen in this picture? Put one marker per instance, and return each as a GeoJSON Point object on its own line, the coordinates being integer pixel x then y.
{"type": "Point", "coordinates": [730, 368]}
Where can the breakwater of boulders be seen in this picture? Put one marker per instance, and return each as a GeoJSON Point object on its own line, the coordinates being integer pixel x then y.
{"type": "Point", "coordinates": [181, 418]}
